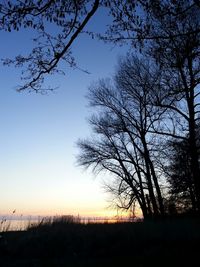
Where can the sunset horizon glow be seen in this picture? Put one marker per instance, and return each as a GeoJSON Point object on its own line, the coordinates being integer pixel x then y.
{"type": "Point", "coordinates": [38, 170]}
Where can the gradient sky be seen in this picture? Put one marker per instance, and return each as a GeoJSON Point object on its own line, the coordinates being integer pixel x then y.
{"type": "Point", "coordinates": [38, 172]}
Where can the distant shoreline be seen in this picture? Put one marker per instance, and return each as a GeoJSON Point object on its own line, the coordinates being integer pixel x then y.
{"type": "Point", "coordinates": [19, 223]}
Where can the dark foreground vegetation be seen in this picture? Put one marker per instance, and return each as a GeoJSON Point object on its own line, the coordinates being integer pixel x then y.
{"type": "Point", "coordinates": [173, 242]}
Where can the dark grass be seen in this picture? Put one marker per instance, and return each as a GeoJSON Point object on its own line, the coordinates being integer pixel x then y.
{"type": "Point", "coordinates": [72, 244]}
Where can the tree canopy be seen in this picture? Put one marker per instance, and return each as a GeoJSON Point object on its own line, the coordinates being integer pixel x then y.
{"type": "Point", "coordinates": [136, 22]}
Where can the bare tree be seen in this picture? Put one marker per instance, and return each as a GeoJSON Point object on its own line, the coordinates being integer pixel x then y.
{"type": "Point", "coordinates": [138, 79]}
{"type": "Point", "coordinates": [111, 155]}
{"type": "Point", "coordinates": [57, 25]}
{"type": "Point", "coordinates": [178, 58]}
{"type": "Point", "coordinates": [168, 32]}
{"type": "Point", "coordinates": [126, 115]}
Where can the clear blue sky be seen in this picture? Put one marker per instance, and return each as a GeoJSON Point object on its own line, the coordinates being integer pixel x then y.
{"type": "Point", "coordinates": [38, 173]}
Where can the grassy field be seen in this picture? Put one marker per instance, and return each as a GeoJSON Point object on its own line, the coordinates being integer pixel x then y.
{"type": "Point", "coordinates": [71, 244]}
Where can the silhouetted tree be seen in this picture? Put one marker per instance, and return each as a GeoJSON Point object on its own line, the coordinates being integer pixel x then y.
{"type": "Point", "coordinates": [110, 153]}
{"type": "Point", "coordinates": [178, 59]}
{"type": "Point", "coordinates": [59, 22]}
{"type": "Point", "coordinates": [169, 32]}
{"type": "Point", "coordinates": [123, 144]}
{"type": "Point", "coordinates": [138, 79]}
{"type": "Point", "coordinates": [173, 40]}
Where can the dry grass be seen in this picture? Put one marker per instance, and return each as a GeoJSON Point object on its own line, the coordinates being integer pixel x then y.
{"type": "Point", "coordinates": [64, 241]}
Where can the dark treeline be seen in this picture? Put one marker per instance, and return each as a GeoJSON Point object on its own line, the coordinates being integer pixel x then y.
{"type": "Point", "coordinates": [146, 123]}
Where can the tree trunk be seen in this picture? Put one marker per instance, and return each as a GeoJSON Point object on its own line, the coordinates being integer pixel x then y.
{"type": "Point", "coordinates": [150, 188]}
{"type": "Point", "coordinates": [151, 191]}
{"type": "Point", "coordinates": [158, 191]}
